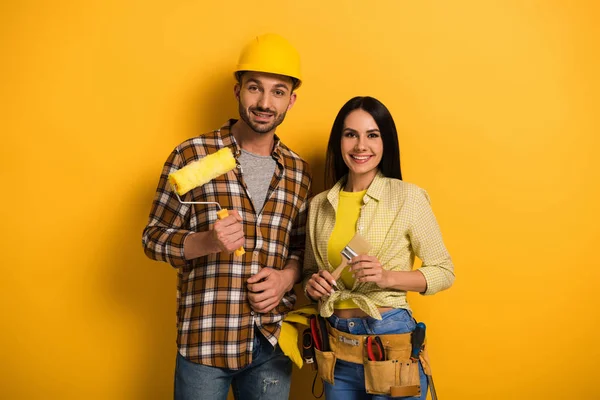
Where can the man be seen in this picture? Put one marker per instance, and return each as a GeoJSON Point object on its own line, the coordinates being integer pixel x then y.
{"type": "Point", "coordinates": [230, 307]}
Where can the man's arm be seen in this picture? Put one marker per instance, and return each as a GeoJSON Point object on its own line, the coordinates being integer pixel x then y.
{"type": "Point", "coordinates": [268, 286]}
{"type": "Point", "coordinates": [167, 236]}
{"type": "Point", "coordinates": [227, 235]}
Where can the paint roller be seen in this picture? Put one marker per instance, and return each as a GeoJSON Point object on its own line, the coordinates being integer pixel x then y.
{"type": "Point", "coordinates": [199, 172]}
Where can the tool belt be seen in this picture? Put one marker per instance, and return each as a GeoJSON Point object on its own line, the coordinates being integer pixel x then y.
{"type": "Point", "coordinates": [396, 374]}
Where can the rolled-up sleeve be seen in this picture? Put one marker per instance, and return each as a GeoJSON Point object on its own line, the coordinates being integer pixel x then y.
{"type": "Point", "coordinates": [165, 234]}
{"type": "Point", "coordinates": [427, 243]}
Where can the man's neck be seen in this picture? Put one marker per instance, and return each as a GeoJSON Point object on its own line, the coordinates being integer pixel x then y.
{"type": "Point", "coordinates": [256, 143]}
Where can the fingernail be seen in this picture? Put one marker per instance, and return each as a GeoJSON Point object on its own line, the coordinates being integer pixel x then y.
{"type": "Point", "coordinates": [334, 283]}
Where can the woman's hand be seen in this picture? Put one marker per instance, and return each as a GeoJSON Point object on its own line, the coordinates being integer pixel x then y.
{"type": "Point", "coordinates": [320, 285]}
{"type": "Point", "coordinates": [368, 269]}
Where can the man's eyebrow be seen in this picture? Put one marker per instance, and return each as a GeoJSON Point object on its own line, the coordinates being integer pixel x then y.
{"type": "Point", "coordinates": [254, 80]}
{"type": "Point", "coordinates": [282, 85]}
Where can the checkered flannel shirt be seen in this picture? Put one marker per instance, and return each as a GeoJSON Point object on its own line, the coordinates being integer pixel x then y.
{"type": "Point", "coordinates": [214, 319]}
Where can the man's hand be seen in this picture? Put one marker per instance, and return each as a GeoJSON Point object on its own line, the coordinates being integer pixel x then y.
{"type": "Point", "coordinates": [228, 233]}
{"type": "Point", "coordinates": [267, 287]}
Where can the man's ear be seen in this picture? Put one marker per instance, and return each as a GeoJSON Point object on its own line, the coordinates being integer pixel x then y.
{"type": "Point", "coordinates": [292, 100]}
{"type": "Point", "coordinates": [236, 91]}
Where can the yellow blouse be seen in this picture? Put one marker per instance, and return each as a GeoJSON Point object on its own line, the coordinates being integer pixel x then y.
{"type": "Point", "coordinates": [348, 212]}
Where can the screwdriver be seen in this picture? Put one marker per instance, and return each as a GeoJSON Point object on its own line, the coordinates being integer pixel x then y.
{"type": "Point", "coordinates": [417, 339]}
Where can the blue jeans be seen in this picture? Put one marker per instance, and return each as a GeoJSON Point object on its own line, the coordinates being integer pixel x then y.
{"type": "Point", "coordinates": [268, 377]}
{"type": "Point", "coordinates": [350, 377]}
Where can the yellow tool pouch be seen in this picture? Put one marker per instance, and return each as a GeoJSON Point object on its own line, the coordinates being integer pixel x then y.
{"type": "Point", "coordinates": [396, 376]}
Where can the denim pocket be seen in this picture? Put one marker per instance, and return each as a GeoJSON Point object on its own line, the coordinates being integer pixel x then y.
{"type": "Point", "coordinates": [399, 320]}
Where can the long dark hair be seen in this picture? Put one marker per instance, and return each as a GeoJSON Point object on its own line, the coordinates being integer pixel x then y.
{"type": "Point", "coordinates": [335, 167]}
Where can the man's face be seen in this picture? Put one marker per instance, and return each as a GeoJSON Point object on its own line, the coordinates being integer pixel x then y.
{"type": "Point", "coordinates": [264, 99]}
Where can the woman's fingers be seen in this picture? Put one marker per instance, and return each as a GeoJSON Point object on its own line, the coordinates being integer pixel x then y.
{"type": "Point", "coordinates": [366, 270]}
{"type": "Point", "coordinates": [319, 285]}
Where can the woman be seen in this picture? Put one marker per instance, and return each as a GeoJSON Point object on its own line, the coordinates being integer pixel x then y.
{"type": "Point", "coordinates": [368, 197]}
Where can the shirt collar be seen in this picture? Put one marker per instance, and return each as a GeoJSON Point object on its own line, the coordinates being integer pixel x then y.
{"type": "Point", "coordinates": [377, 188]}
{"type": "Point", "coordinates": [375, 191]}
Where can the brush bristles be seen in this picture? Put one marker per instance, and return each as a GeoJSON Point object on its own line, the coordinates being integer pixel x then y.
{"type": "Point", "coordinates": [357, 245]}
{"type": "Point", "coordinates": [202, 171]}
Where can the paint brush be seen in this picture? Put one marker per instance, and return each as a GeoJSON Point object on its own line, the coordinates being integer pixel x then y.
{"type": "Point", "coordinates": [358, 245]}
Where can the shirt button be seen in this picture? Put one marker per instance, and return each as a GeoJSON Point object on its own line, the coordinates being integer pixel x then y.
{"type": "Point", "coordinates": [251, 312]}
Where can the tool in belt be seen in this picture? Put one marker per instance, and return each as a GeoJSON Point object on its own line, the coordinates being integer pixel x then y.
{"type": "Point", "coordinates": [318, 330]}
{"type": "Point", "coordinates": [315, 337]}
{"type": "Point", "coordinates": [308, 347]}
{"type": "Point", "coordinates": [417, 339]}
{"type": "Point", "coordinates": [375, 350]}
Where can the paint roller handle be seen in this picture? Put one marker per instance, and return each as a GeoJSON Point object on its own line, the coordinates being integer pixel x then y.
{"type": "Point", "coordinates": [223, 213]}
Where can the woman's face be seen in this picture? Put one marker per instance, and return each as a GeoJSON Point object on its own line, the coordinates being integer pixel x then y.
{"type": "Point", "coordinates": [362, 147]}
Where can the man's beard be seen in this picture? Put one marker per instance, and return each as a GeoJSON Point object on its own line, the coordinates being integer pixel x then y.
{"type": "Point", "coordinates": [260, 128]}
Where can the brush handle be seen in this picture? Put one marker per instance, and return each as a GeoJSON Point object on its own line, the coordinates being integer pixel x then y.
{"type": "Point", "coordinates": [338, 271]}
{"type": "Point", "coordinates": [223, 213]}
{"type": "Point", "coordinates": [358, 245]}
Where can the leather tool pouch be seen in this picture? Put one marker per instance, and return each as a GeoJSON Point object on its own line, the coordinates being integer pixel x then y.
{"type": "Point", "coordinates": [396, 376]}
{"type": "Point", "coordinates": [324, 357]}
{"type": "Point", "coordinates": [326, 364]}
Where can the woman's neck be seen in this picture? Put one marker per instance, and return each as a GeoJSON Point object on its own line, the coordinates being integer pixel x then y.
{"type": "Point", "coordinates": [359, 182]}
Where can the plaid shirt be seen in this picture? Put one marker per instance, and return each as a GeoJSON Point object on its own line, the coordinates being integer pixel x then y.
{"type": "Point", "coordinates": [214, 319]}
{"type": "Point", "coordinates": [398, 222]}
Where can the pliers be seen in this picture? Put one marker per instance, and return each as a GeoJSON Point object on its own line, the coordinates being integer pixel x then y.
{"type": "Point", "coordinates": [375, 350]}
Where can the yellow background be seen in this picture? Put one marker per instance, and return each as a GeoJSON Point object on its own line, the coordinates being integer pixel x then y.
{"type": "Point", "coordinates": [497, 109]}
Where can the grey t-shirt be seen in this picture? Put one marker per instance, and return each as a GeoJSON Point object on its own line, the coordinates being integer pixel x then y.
{"type": "Point", "coordinates": [258, 172]}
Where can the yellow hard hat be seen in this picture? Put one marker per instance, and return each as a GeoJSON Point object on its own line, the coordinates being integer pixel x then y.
{"type": "Point", "coordinates": [272, 54]}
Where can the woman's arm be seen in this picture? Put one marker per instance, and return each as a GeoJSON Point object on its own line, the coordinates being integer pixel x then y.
{"type": "Point", "coordinates": [426, 240]}
{"type": "Point", "coordinates": [437, 270]}
{"type": "Point", "coordinates": [369, 269]}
